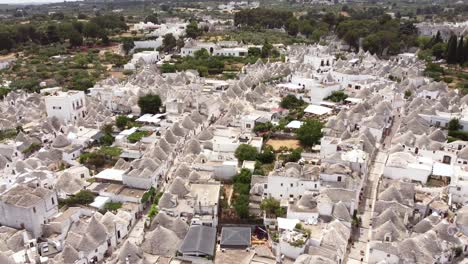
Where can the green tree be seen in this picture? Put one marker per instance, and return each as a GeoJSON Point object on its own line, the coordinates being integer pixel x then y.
{"type": "Point", "coordinates": [76, 39]}
{"type": "Point", "coordinates": [292, 27]}
{"type": "Point", "coordinates": [267, 155]}
{"type": "Point", "coordinates": [454, 124]}
{"type": "Point", "coordinates": [452, 50]}
{"type": "Point", "coordinates": [121, 122]}
{"type": "Point", "coordinates": [255, 52]}
{"type": "Point", "coordinates": [295, 155]}
{"type": "Point", "coordinates": [267, 49]}
{"type": "Point", "coordinates": [272, 207]}
{"type": "Point", "coordinates": [291, 102]}
{"type": "Point", "coordinates": [167, 68]}
{"type": "Point", "coordinates": [310, 132]}
{"type": "Point", "coordinates": [244, 177]}
{"type": "Point", "coordinates": [246, 152]}
{"type": "Point", "coordinates": [53, 34]}
{"type": "Point", "coordinates": [149, 104]}
{"type": "Point", "coordinates": [83, 197]}
{"type": "Point", "coordinates": [337, 96]}
{"type": "Point", "coordinates": [107, 139]}
{"type": "Point", "coordinates": [460, 51]}
{"type": "Point", "coordinates": [6, 43]}
{"type": "Point", "coordinates": [241, 205]}
{"type": "Point", "coordinates": [169, 42]}
{"type": "Point", "coordinates": [180, 43]}
{"type": "Point", "coordinates": [128, 45]}
{"type": "Point", "coordinates": [91, 30]}
{"type": "Point", "coordinates": [192, 30]}
{"type": "Point", "coordinates": [438, 50]}
{"type": "Point", "coordinates": [153, 18]}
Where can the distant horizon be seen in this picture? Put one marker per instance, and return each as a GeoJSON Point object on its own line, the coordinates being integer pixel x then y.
{"type": "Point", "coordinates": [27, 2]}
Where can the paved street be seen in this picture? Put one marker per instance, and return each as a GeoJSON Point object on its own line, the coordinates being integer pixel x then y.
{"type": "Point", "coordinates": [358, 250]}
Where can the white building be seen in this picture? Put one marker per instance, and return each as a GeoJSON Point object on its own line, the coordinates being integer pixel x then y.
{"type": "Point", "coordinates": [66, 106]}
{"type": "Point", "coordinates": [23, 207]}
{"type": "Point", "coordinates": [235, 52]}
{"type": "Point", "coordinates": [205, 204]}
{"type": "Point", "coordinates": [292, 181]}
{"type": "Point", "coordinates": [142, 58]}
{"type": "Point", "coordinates": [403, 165]}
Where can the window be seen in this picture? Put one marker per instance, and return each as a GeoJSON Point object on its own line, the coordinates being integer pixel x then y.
{"type": "Point", "coordinates": [388, 255]}
{"type": "Point", "coordinates": [281, 185]}
{"type": "Point", "coordinates": [292, 185]}
{"type": "Point", "coordinates": [281, 195]}
{"type": "Point", "coordinates": [339, 178]}
{"type": "Point", "coordinates": [458, 188]}
{"type": "Point", "coordinates": [53, 201]}
{"type": "Point", "coordinates": [291, 196]}
{"type": "Point", "coordinates": [82, 175]}
{"type": "Point", "coordinates": [34, 209]}
{"type": "Point", "coordinates": [265, 186]}
{"type": "Point", "coordinates": [247, 125]}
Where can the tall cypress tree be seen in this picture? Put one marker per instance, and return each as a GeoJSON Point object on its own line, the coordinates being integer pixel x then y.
{"type": "Point", "coordinates": [465, 52]}
{"type": "Point", "coordinates": [452, 50]}
{"type": "Point", "coordinates": [460, 51]}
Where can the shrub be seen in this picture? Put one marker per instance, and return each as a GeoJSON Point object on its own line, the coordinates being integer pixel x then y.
{"type": "Point", "coordinates": [149, 104]}
{"type": "Point", "coordinates": [246, 152]}
{"type": "Point", "coordinates": [310, 132]}
{"type": "Point", "coordinates": [336, 96]}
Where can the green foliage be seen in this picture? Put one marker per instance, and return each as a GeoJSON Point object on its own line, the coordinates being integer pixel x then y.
{"type": "Point", "coordinates": [153, 18]}
{"type": "Point", "coordinates": [379, 33]}
{"type": "Point", "coordinates": [110, 151]}
{"type": "Point", "coordinates": [255, 52]}
{"type": "Point", "coordinates": [241, 205]}
{"type": "Point", "coordinates": [264, 18]}
{"type": "Point", "coordinates": [148, 195]}
{"type": "Point", "coordinates": [192, 30]}
{"type": "Point", "coordinates": [337, 96]}
{"type": "Point", "coordinates": [267, 155]}
{"type": "Point", "coordinates": [107, 139]}
{"type": "Point", "coordinates": [128, 45]}
{"type": "Point", "coordinates": [8, 133]}
{"type": "Point", "coordinates": [295, 155]}
{"type": "Point", "coordinates": [244, 176]}
{"type": "Point", "coordinates": [458, 135]}
{"type": "Point", "coordinates": [149, 104]}
{"type": "Point", "coordinates": [137, 136]}
{"type": "Point", "coordinates": [246, 152]}
{"type": "Point", "coordinates": [269, 51]}
{"type": "Point", "coordinates": [408, 94]}
{"type": "Point", "coordinates": [310, 132]}
{"type": "Point", "coordinates": [454, 124]}
{"type": "Point", "coordinates": [272, 208]}
{"type": "Point", "coordinates": [263, 127]}
{"type": "Point", "coordinates": [121, 121]}
{"type": "Point", "coordinates": [76, 39]}
{"type": "Point", "coordinates": [291, 102]}
{"type": "Point", "coordinates": [169, 42]}
{"type": "Point", "coordinates": [32, 148]}
{"type": "Point", "coordinates": [168, 68]}
{"type": "Point", "coordinates": [452, 50]}
{"type": "Point", "coordinates": [100, 157]}
{"type": "Point", "coordinates": [111, 206]}
{"type": "Point", "coordinates": [83, 197]}
{"type": "Point", "coordinates": [153, 211]}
